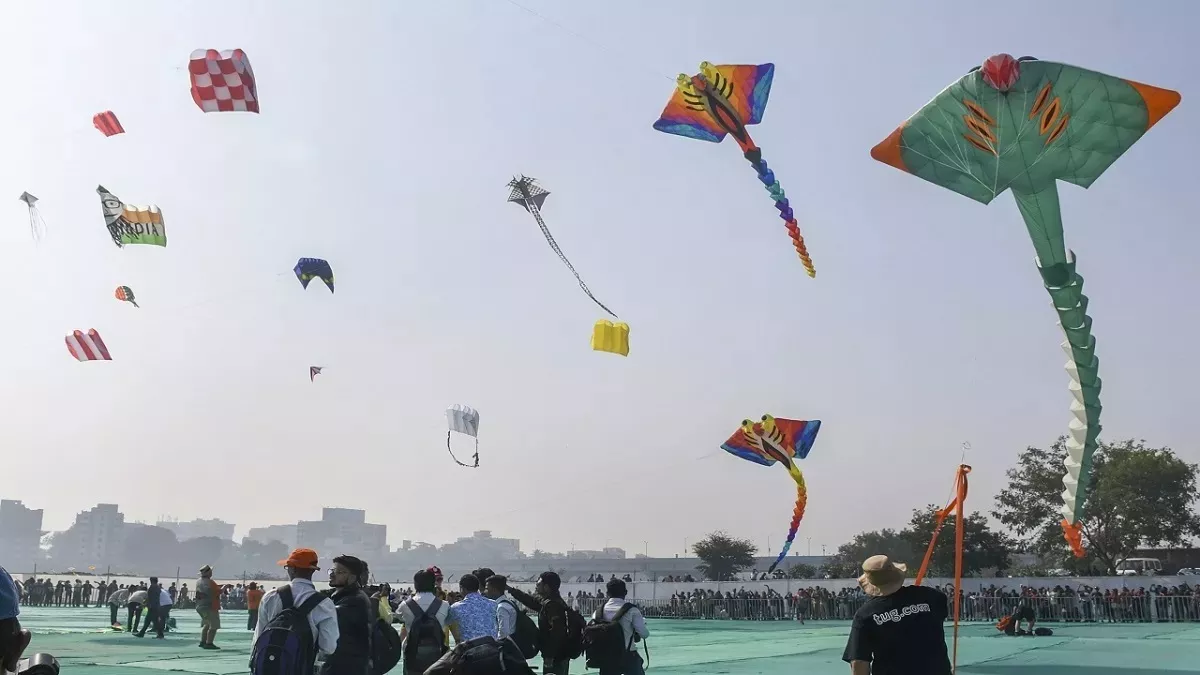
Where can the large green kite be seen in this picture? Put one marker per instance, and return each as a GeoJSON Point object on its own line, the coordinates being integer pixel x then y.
{"type": "Point", "coordinates": [1023, 124]}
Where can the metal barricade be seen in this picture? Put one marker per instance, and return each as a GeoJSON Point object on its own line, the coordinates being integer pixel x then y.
{"type": "Point", "coordinates": [1066, 608]}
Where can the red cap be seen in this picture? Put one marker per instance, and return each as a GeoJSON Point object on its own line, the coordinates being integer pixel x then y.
{"type": "Point", "coordinates": [301, 559]}
{"type": "Point", "coordinates": [435, 570]}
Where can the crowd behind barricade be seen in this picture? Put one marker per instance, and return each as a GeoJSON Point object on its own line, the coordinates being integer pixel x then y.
{"type": "Point", "coordinates": [1061, 603]}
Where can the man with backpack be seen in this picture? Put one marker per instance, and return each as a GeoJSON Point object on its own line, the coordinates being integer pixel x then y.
{"type": "Point", "coordinates": [560, 628]}
{"type": "Point", "coordinates": [294, 622]}
{"type": "Point", "coordinates": [611, 637]}
{"type": "Point", "coordinates": [512, 624]}
{"type": "Point", "coordinates": [424, 617]}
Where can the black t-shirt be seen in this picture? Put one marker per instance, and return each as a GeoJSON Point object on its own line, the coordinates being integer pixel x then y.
{"type": "Point", "coordinates": [901, 633]}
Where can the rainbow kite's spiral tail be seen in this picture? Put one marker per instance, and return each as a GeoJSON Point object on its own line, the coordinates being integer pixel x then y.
{"type": "Point", "coordinates": [754, 156]}
{"type": "Point", "coordinates": [797, 515]}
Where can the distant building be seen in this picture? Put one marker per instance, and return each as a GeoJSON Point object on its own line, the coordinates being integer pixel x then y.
{"type": "Point", "coordinates": [20, 535]}
{"type": "Point", "coordinates": [285, 534]}
{"type": "Point", "coordinates": [342, 531]}
{"type": "Point", "coordinates": [482, 546]}
{"type": "Point", "coordinates": [201, 527]}
{"type": "Point", "coordinates": [96, 536]}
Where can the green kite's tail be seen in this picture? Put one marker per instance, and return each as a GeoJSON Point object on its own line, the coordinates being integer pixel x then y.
{"type": "Point", "coordinates": [1066, 291]}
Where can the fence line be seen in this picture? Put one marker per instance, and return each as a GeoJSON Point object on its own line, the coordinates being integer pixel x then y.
{"type": "Point", "coordinates": [1150, 608]}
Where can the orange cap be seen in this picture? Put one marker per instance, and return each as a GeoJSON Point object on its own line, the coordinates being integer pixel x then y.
{"type": "Point", "coordinates": [301, 559]}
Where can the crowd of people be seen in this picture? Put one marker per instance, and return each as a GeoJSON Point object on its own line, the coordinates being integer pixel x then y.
{"type": "Point", "coordinates": [351, 628]}
{"type": "Point", "coordinates": [356, 627]}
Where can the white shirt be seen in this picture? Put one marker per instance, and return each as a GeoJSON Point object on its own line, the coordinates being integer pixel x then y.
{"type": "Point", "coordinates": [322, 620]}
{"type": "Point", "coordinates": [633, 621]}
{"type": "Point", "coordinates": [506, 617]}
{"type": "Point", "coordinates": [137, 598]}
{"type": "Point", "coordinates": [424, 600]}
{"type": "Point", "coordinates": [164, 598]}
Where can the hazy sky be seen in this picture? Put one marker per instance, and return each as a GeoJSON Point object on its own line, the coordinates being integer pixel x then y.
{"type": "Point", "coordinates": [387, 133]}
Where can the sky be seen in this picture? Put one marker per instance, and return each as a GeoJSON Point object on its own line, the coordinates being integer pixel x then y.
{"type": "Point", "coordinates": [387, 134]}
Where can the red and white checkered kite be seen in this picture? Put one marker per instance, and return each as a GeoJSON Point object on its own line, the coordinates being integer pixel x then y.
{"type": "Point", "coordinates": [223, 81]}
{"type": "Point", "coordinates": [87, 346]}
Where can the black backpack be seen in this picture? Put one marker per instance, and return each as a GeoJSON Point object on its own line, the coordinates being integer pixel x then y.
{"type": "Point", "coordinates": [575, 626]}
{"type": "Point", "coordinates": [386, 648]}
{"type": "Point", "coordinates": [287, 645]}
{"type": "Point", "coordinates": [604, 641]}
{"type": "Point", "coordinates": [426, 641]}
{"type": "Point", "coordinates": [525, 635]}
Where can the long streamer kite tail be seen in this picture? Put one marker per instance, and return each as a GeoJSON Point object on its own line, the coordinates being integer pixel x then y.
{"type": "Point", "coordinates": [767, 177]}
{"type": "Point", "coordinates": [537, 215]}
{"type": "Point", "coordinates": [797, 516]}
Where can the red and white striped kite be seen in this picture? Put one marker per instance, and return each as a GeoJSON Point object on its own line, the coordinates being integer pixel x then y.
{"type": "Point", "coordinates": [107, 123]}
{"type": "Point", "coordinates": [87, 346]}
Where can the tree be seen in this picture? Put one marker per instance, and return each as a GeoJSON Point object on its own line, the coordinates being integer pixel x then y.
{"type": "Point", "coordinates": [263, 557]}
{"type": "Point", "coordinates": [982, 548]}
{"type": "Point", "coordinates": [1137, 496]}
{"type": "Point", "coordinates": [802, 571]}
{"type": "Point", "coordinates": [149, 549]}
{"type": "Point", "coordinates": [192, 553]}
{"type": "Point", "coordinates": [723, 556]}
{"type": "Point", "coordinates": [847, 562]}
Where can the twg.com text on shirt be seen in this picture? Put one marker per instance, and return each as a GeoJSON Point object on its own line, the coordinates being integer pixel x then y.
{"type": "Point", "coordinates": [898, 614]}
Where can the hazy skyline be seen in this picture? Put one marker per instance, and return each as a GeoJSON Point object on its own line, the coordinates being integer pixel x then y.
{"type": "Point", "coordinates": [387, 134]}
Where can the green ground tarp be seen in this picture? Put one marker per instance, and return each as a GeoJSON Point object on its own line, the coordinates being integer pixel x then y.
{"type": "Point", "coordinates": [85, 646]}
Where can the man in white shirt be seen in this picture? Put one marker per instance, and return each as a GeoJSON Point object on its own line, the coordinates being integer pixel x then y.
{"type": "Point", "coordinates": [164, 611]}
{"type": "Point", "coordinates": [322, 620]}
{"type": "Point", "coordinates": [425, 584]}
{"type": "Point", "coordinates": [136, 599]}
{"type": "Point", "coordinates": [506, 611]}
{"type": "Point", "coordinates": [116, 600]}
{"type": "Point", "coordinates": [633, 626]}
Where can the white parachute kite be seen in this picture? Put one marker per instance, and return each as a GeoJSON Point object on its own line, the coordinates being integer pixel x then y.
{"type": "Point", "coordinates": [464, 420]}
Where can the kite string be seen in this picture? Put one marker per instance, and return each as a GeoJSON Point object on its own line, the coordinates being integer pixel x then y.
{"type": "Point", "coordinates": [580, 36]}
{"type": "Point", "coordinates": [537, 215]}
{"type": "Point", "coordinates": [455, 458]}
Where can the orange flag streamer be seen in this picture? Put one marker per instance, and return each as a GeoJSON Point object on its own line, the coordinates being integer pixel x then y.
{"type": "Point", "coordinates": [956, 507]}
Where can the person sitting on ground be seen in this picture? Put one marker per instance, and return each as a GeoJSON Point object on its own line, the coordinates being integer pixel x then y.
{"type": "Point", "coordinates": [899, 630]}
